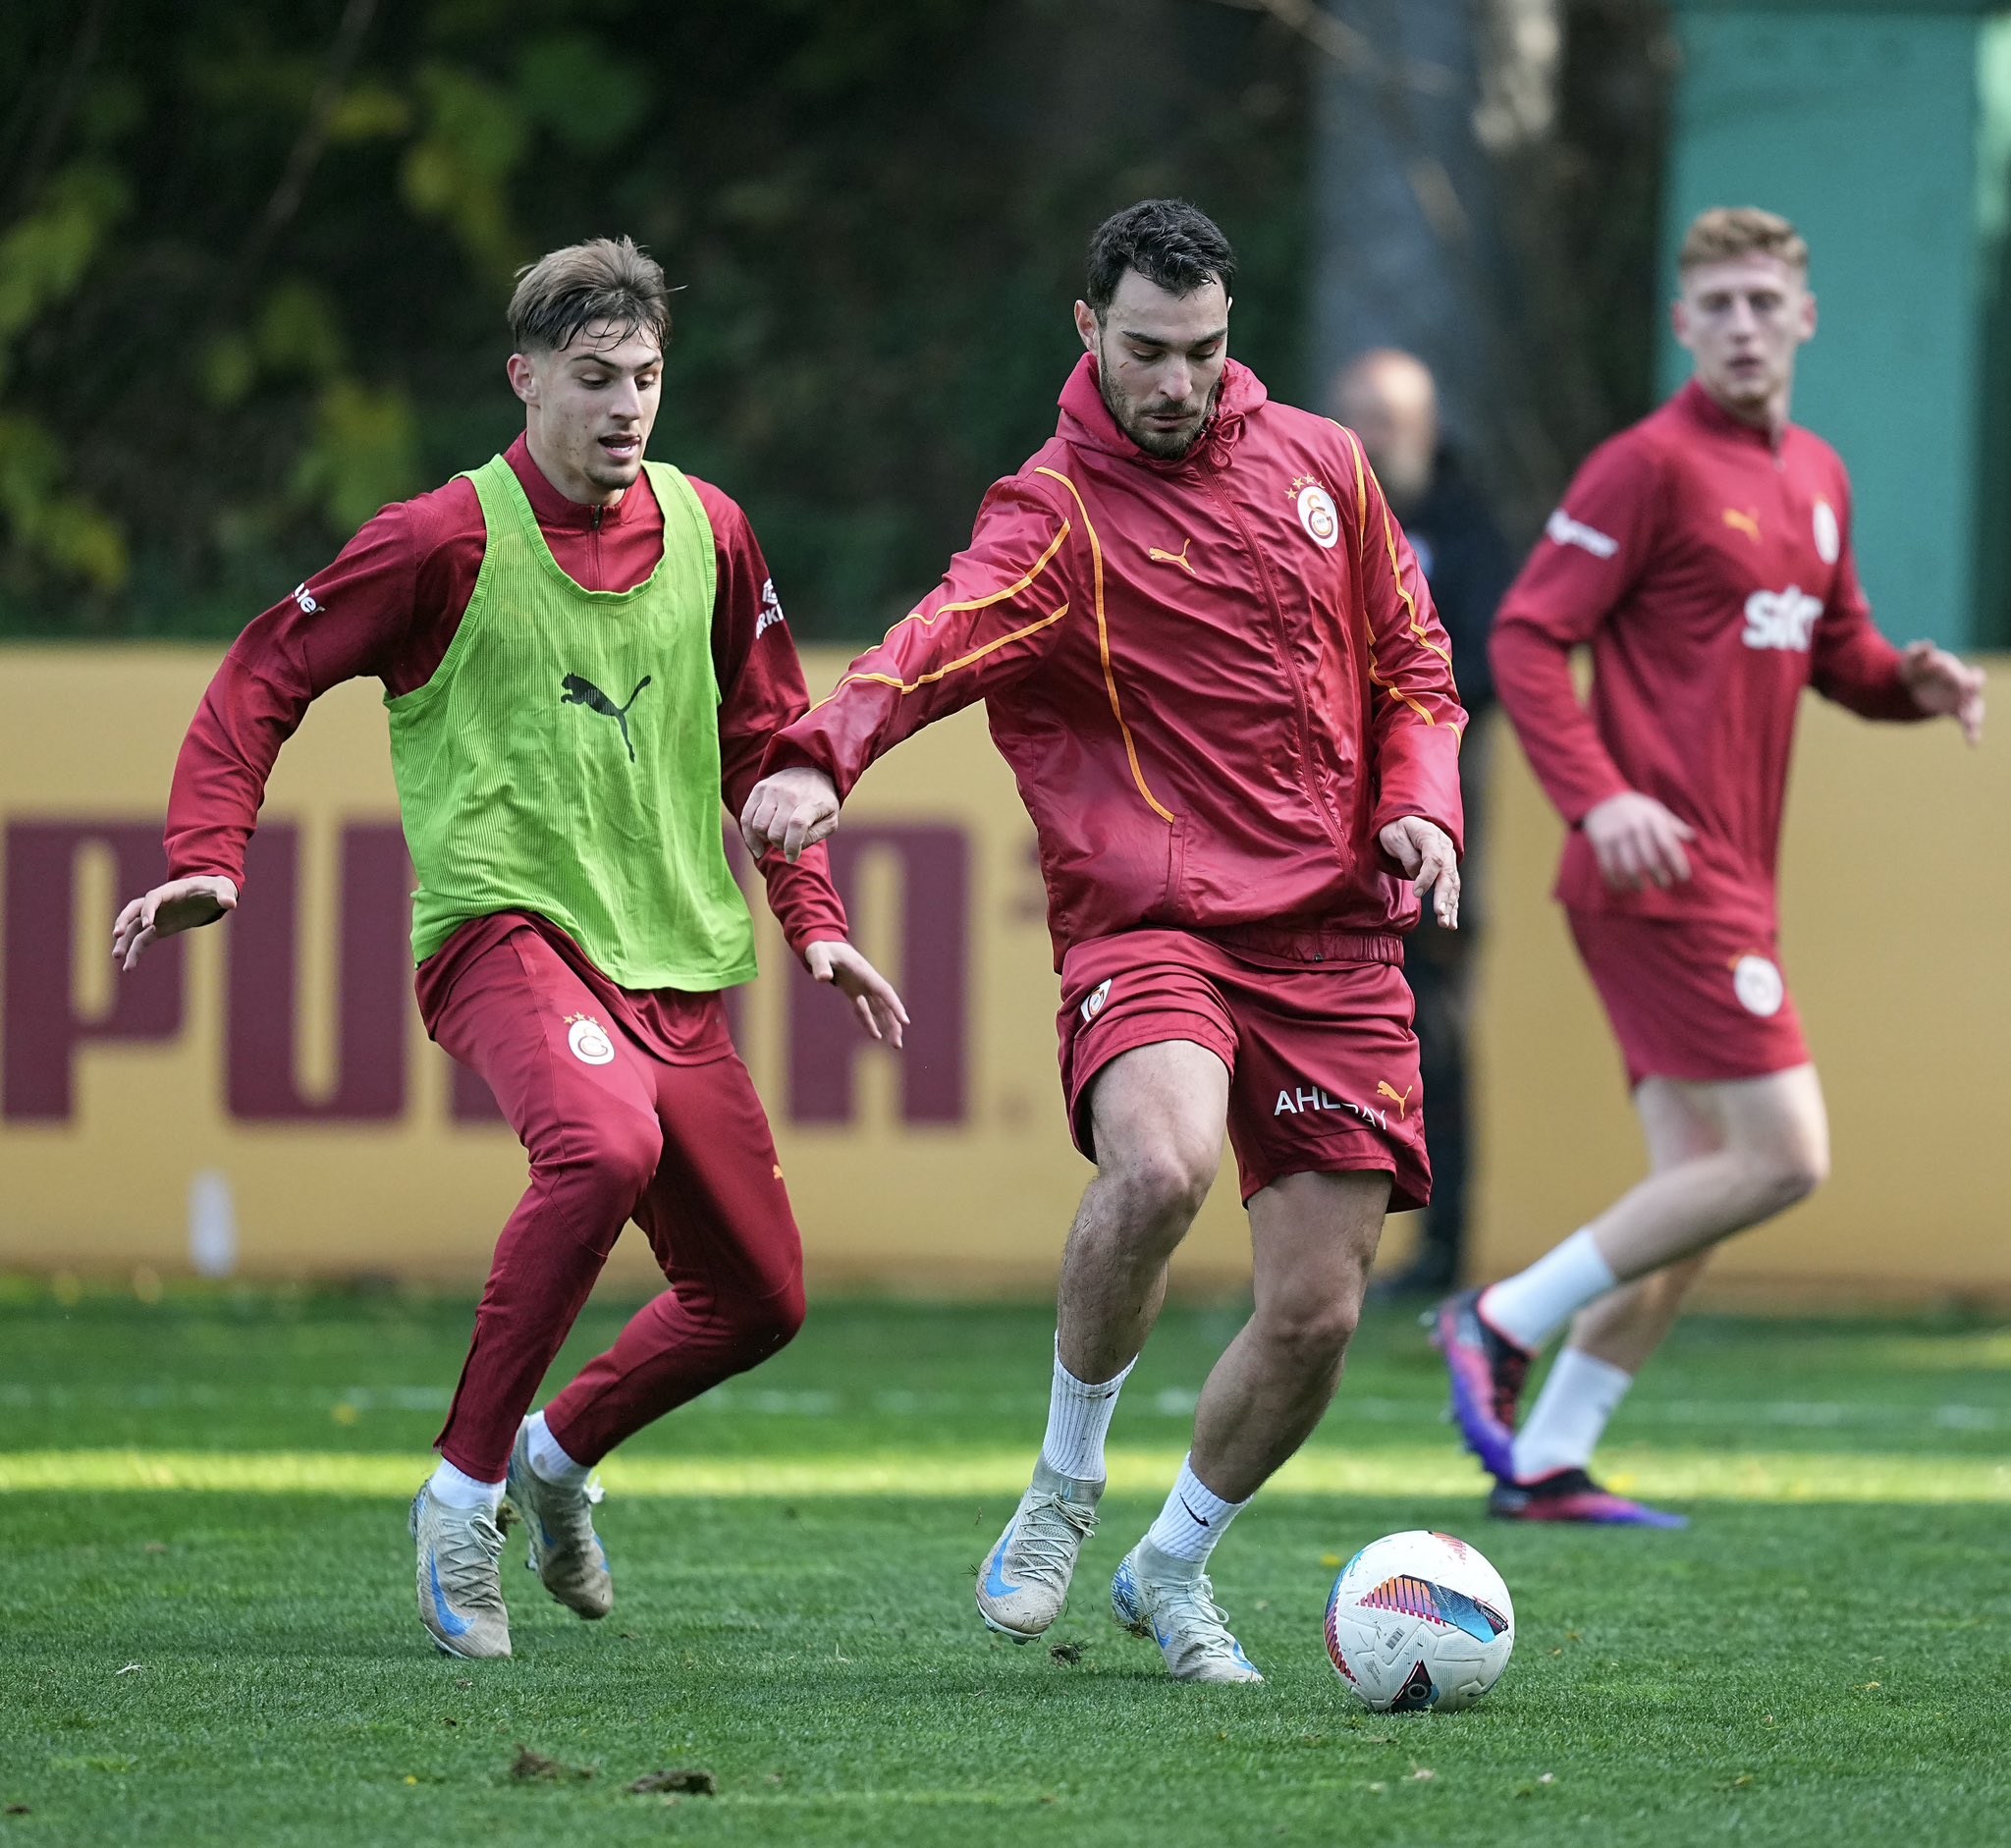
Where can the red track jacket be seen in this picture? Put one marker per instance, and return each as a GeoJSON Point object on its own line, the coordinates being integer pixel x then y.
{"type": "Point", "coordinates": [1215, 679]}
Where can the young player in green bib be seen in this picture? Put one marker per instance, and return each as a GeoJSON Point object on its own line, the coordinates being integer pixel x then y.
{"type": "Point", "coordinates": [582, 657]}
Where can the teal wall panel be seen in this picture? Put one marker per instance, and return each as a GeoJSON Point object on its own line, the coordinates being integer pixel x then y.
{"type": "Point", "coordinates": [1862, 125]}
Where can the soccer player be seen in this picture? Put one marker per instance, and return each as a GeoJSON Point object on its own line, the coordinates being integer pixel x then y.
{"type": "Point", "coordinates": [1705, 556]}
{"type": "Point", "coordinates": [1212, 663]}
{"type": "Point", "coordinates": [581, 653]}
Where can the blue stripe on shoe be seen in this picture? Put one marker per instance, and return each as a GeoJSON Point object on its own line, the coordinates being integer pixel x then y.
{"type": "Point", "coordinates": [452, 1624]}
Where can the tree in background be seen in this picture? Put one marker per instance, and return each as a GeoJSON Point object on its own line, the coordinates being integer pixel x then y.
{"type": "Point", "coordinates": [252, 259]}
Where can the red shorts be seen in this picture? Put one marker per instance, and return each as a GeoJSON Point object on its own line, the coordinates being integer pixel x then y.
{"type": "Point", "coordinates": [1322, 1059]}
{"type": "Point", "coordinates": [1691, 999]}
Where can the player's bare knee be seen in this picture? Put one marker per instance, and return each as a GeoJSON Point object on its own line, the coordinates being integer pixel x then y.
{"type": "Point", "coordinates": [1161, 1188]}
{"type": "Point", "coordinates": [1314, 1332]}
{"type": "Point", "coordinates": [1789, 1173]}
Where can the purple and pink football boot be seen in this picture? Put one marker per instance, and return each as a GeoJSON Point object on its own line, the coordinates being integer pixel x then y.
{"type": "Point", "coordinates": [1488, 1372]}
{"type": "Point", "coordinates": [1570, 1495]}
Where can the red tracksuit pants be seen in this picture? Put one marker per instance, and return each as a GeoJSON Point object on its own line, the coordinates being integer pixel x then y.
{"type": "Point", "coordinates": [615, 1132]}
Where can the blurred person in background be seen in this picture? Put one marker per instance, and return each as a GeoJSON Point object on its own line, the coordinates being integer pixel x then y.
{"type": "Point", "coordinates": [582, 654]}
{"type": "Point", "coordinates": [1705, 557]}
{"type": "Point", "coordinates": [1207, 652]}
{"type": "Point", "coordinates": [1389, 400]}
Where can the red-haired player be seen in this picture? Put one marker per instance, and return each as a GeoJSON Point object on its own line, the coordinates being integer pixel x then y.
{"type": "Point", "coordinates": [1705, 555]}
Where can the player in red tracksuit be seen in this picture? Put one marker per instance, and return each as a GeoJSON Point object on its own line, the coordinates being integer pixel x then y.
{"type": "Point", "coordinates": [630, 1102]}
{"type": "Point", "coordinates": [1209, 656]}
{"type": "Point", "coordinates": [1705, 556]}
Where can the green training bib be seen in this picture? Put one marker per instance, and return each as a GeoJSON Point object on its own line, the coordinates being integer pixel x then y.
{"type": "Point", "coordinates": [563, 758]}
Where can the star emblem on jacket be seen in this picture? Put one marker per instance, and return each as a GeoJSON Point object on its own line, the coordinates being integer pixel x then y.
{"type": "Point", "coordinates": [1316, 510]}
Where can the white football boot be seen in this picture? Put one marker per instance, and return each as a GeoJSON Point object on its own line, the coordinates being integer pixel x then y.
{"type": "Point", "coordinates": [1172, 1602]}
{"type": "Point", "coordinates": [1024, 1584]}
{"type": "Point", "coordinates": [564, 1550]}
{"type": "Point", "coordinates": [461, 1592]}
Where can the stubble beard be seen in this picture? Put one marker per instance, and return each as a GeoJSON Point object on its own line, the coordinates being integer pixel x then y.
{"type": "Point", "coordinates": [1161, 445]}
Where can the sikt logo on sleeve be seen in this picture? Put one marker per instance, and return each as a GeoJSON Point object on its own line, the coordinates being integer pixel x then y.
{"type": "Point", "coordinates": [1561, 530]}
{"type": "Point", "coordinates": [771, 608]}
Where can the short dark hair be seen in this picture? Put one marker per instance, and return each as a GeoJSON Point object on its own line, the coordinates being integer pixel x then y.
{"type": "Point", "coordinates": [1167, 241]}
{"type": "Point", "coordinates": [603, 280]}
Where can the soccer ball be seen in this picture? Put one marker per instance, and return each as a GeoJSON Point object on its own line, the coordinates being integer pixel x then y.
{"type": "Point", "coordinates": [1419, 1622]}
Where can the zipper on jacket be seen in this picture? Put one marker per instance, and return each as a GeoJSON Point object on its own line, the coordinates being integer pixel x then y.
{"type": "Point", "coordinates": [594, 551]}
{"type": "Point", "coordinates": [1310, 774]}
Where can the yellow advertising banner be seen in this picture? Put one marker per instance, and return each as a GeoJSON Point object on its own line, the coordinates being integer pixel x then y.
{"type": "Point", "coordinates": [260, 1098]}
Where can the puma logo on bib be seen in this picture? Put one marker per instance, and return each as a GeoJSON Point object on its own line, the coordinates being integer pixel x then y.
{"type": "Point", "coordinates": [579, 692]}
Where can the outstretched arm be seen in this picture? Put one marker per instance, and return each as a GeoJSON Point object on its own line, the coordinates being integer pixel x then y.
{"type": "Point", "coordinates": [761, 690]}
{"type": "Point", "coordinates": [1857, 667]}
{"type": "Point", "coordinates": [1942, 685]}
{"type": "Point", "coordinates": [1415, 718]}
{"type": "Point", "coordinates": [992, 620]}
{"type": "Point", "coordinates": [348, 619]}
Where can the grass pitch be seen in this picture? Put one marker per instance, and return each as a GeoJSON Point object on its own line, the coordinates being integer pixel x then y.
{"type": "Point", "coordinates": [207, 1632]}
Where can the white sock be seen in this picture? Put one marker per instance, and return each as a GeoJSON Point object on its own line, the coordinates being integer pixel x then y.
{"type": "Point", "coordinates": [1193, 1518]}
{"type": "Point", "coordinates": [452, 1488]}
{"type": "Point", "coordinates": [549, 1461]}
{"type": "Point", "coordinates": [1570, 1416]}
{"type": "Point", "coordinates": [1534, 1304]}
{"type": "Point", "coordinates": [1078, 1420]}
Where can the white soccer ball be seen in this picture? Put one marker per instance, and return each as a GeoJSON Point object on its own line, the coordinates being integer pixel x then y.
{"type": "Point", "coordinates": [1419, 1622]}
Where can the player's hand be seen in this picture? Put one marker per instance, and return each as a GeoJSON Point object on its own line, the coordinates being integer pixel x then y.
{"type": "Point", "coordinates": [182, 905]}
{"type": "Point", "coordinates": [1638, 841]}
{"type": "Point", "coordinates": [1942, 683]}
{"type": "Point", "coordinates": [872, 994]}
{"type": "Point", "coordinates": [793, 809]}
{"type": "Point", "coordinates": [1424, 850]}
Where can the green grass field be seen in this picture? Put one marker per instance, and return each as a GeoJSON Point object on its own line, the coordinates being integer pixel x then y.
{"type": "Point", "coordinates": [208, 1633]}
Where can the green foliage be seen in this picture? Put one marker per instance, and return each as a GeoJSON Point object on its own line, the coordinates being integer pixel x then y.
{"type": "Point", "coordinates": [265, 268]}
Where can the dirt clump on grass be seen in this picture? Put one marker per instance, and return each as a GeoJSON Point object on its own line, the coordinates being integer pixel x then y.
{"type": "Point", "coordinates": [535, 1767]}
{"type": "Point", "coordinates": [688, 1783]}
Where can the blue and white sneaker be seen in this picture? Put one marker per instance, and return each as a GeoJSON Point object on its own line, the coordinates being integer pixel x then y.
{"type": "Point", "coordinates": [564, 1550]}
{"type": "Point", "coordinates": [461, 1592]}
{"type": "Point", "coordinates": [1024, 1584]}
{"type": "Point", "coordinates": [1172, 1602]}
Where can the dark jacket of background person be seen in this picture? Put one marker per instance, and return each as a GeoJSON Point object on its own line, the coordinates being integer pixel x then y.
{"type": "Point", "coordinates": [1468, 565]}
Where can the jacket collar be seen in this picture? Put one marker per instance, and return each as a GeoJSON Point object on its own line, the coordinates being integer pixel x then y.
{"type": "Point", "coordinates": [558, 515]}
{"type": "Point", "coordinates": [1087, 423]}
{"type": "Point", "coordinates": [1703, 410]}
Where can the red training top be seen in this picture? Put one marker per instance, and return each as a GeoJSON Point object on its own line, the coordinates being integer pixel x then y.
{"type": "Point", "coordinates": [1710, 567]}
{"type": "Point", "coordinates": [389, 606]}
{"type": "Point", "coordinates": [1215, 679]}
